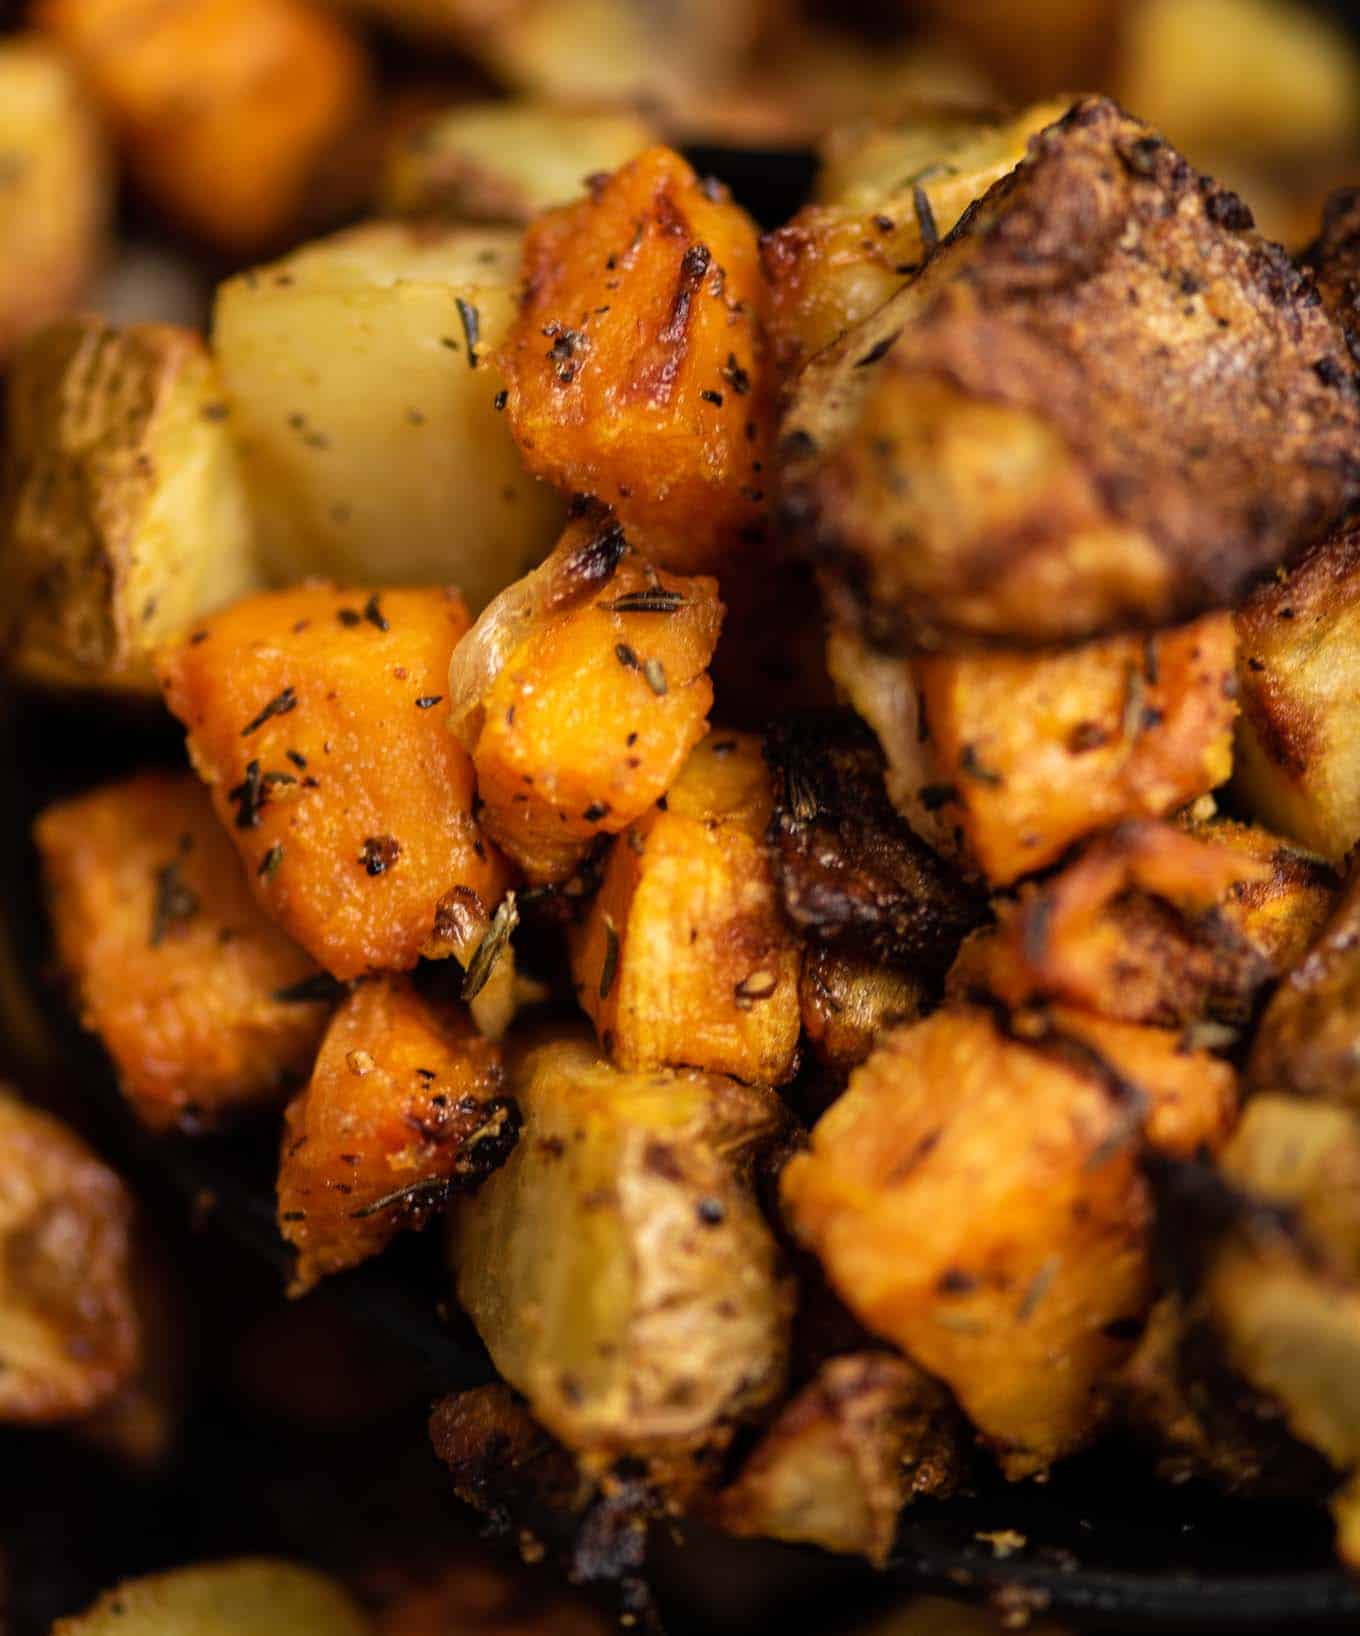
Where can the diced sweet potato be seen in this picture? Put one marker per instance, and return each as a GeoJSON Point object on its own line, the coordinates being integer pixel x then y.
{"type": "Point", "coordinates": [227, 110]}
{"type": "Point", "coordinates": [579, 693]}
{"type": "Point", "coordinates": [636, 369]}
{"type": "Point", "coordinates": [404, 1108]}
{"type": "Point", "coordinates": [314, 716]}
{"type": "Point", "coordinates": [684, 958]}
{"type": "Point", "coordinates": [847, 1002]}
{"type": "Point", "coordinates": [975, 1197]}
{"type": "Point", "coordinates": [69, 1336]}
{"type": "Point", "coordinates": [186, 981]}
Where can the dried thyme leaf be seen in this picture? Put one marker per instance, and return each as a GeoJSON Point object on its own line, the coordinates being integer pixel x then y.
{"type": "Point", "coordinates": [489, 950]}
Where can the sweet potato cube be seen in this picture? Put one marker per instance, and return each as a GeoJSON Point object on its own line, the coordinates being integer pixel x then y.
{"type": "Point", "coordinates": [314, 716]}
{"type": "Point", "coordinates": [404, 1107]}
{"type": "Point", "coordinates": [684, 957]}
{"type": "Point", "coordinates": [185, 979]}
{"type": "Point", "coordinates": [975, 1197]}
{"type": "Point", "coordinates": [636, 370]}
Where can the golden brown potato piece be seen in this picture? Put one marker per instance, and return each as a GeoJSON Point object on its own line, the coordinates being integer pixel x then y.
{"type": "Point", "coordinates": [403, 1109]}
{"type": "Point", "coordinates": [228, 112]}
{"type": "Point", "coordinates": [69, 1336]}
{"type": "Point", "coordinates": [1013, 450]}
{"type": "Point", "coordinates": [1299, 673]}
{"type": "Point", "coordinates": [1333, 257]}
{"type": "Point", "coordinates": [579, 693]}
{"type": "Point", "coordinates": [866, 1436]}
{"type": "Point", "coordinates": [617, 1266]}
{"type": "Point", "coordinates": [125, 508]}
{"type": "Point", "coordinates": [203, 1004]}
{"type": "Point", "coordinates": [1035, 47]}
{"type": "Point", "coordinates": [1150, 924]}
{"type": "Point", "coordinates": [54, 200]}
{"type": "Point", "coordinates": [314, 716]}
{"type": "Point", "coordinates": [636, 369]}
{"type": "Point", "coordinates": [847, 1002]}
{"type": "Point", "coordinates": [505, 161]}
{"type": "Point", "coordinates": [684, 959]}
{"type": "Point", "coordinates": [975, 1197]}
{"type": "Point", "coordinates": [885, 193]}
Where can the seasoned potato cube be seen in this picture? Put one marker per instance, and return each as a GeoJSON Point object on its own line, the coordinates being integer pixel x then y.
{"type": "Point", "coordinates": [505, 161]}
{"type": "Point", "coordinates": [847, 1002]}
{"type": "Point", "coordinates": [975, 1197]}
{"type": "Point", "coordinates": [579, 693]}
{"type": "Point", "coordinates": [1151, 924]}
{"type": "Point", "coordinates": [314, 717]}
{"type": "Point", "coordinates": [363, 393]}
{"type": "Point", "coordinates": [684, 958]}
{"type": "Point", "coordinates": [403, 1108]}
{"type": "Point", "coordinates": [617, 1266]}
{"type": "Point", "coordinates": [636, 367]}
{"type": "Point", "coordinates": [228, 112]}
{"type": "Point", "coordinates": [203, 1004]}
{"type": "Point", "coordinates": [1299, 673]}
{"type": "Point", "coordinates": [247, 1597]}
{"type": "Point", "coordinates": [125, 510]}
{"type": "Point", "coordinates": [867, 1435]}
{"type": "Point", "coordinates": [69, 1336]}
{"type": "Point", "coordinates": [55, 198]}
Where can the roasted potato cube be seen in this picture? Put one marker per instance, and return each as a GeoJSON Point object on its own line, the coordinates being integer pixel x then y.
{"type": "Point", "coordinates": [55, 200]}
{"type": "Point", "coordinates": [363, 393]}
{"type": "Point", "coordinates": [229, 113]}
{"type": "Point", "coordinates": [847, 1002]}
{"type": "Point", "coordinates": [636, 367]}
{"type": "Point", "coordinates": [1012, 450]}
{"type": "Point", "coordinates": [975, 1197]}
{"type": "Point", "coordinates": [504, 162]}
{"type": "Point", "coordinates": [313, 716]}
{"type": "Point", "coordinates": [1333, 257]}
{"type": "Point", "coordinates": [866, 1436]}
{"type": "Point", "coordinates": [579, 693]}
{"type": "Point", "coordinates": [617, 1266]}
{"type": "Point", "coordinates": [885, 193]}
{"type": "Point", "coordinates": [247, 1597]}
{"type": "Point", "coordinates": [1298, 639]}
{"type": "Point", "coordinates": [402, 1110]}
{"type": "Point", "coordinates": [125, 511]}
{"type": "Point", "coordinates": [69, 1336]}
{"type": "Point", "coordinates": [1151, 924]}
{"type": "Point", "coordinates": [684, 959]}
{"type": "Point", "coordinates": [203, 1004]}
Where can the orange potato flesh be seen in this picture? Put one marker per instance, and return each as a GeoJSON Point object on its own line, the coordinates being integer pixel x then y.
{"type": "Point", "coordinates": [404, 1107]}
{"type": "Point", "coordinates": [636, 370]}
{"type": "Point", "coordinates": [176, 967]}
{"type": "Point", "coordinates": [684, 958]}
{"type": "Point", "coordinates": [356, 824]}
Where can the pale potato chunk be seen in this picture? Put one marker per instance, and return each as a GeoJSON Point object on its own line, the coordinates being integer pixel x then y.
{"type": "Point", "coordinates": [248, 1597]}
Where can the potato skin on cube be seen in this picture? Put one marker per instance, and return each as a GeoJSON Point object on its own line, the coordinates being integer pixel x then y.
{"type": "Point", "coordinates": [975, 1197]}
{"type": "Point", "coordinates": [314, 716]}
{"type": "Point", "coordinates": [847, 1002]}
{"type": "Point", "coordinates": [403, 1108]}
{"type": "Point", "coordinates": [69, 1333]}
{"type": "Point", "coordinates": [636, 368]}
{"type": "Point", "coordinates": [684, 958]}
{"type": "Point", "coordinates": [174, 965]}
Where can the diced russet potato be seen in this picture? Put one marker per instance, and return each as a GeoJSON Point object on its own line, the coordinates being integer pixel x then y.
{"type": "Point", "coordinates": [1298, 641]}
{"type": "Point", "coordinates": [579, 694]}
{"type": "Point", "coordinates": [869, 1433]}
{"type": "Point", "coordinates": [317, 718]}
{"type": "Point", "coordinates": [363, 395]}
{"type": "Point", "coordinates": [847, 1002]}
{"type": "Point", "coordinates": [404, 1108]}
{"type": "Point", "coordinates": [636, 367]}
{"type": "Point", "coordinates": [124, 507]}
{"type": "Point", "coordinates": [233, 116]}
{"type": "Point", "coordinates": [684, 958]}
{"type": "Point", "coordinates": [505, 161]}
{"type": "Point", "coordinates": [55, 197]}
{"type": "Point", "coordinates": [975, 1197]}
{"type": "Point", "coordinates": [69, 1333]}
{"type": "Point", "coordinates": [246, 1597]}
{"type": "Point", "coordinates": [617, 1266]}
{"type": "Point", "coordinates": [199, 999]}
